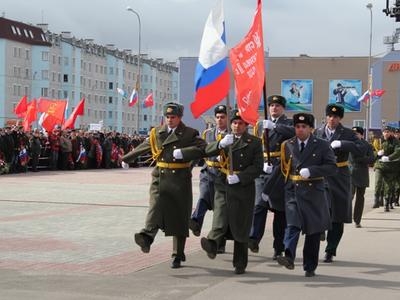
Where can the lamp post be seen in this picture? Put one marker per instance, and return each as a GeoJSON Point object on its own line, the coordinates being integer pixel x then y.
{"type": "Point", "coordinates": [368, 107]}
{"type": "Point", "coordinates": [138, 77]}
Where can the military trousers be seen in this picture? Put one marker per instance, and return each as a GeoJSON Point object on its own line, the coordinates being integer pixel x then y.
{"type": "Point", "coordinates": [261, 209]}
{"type": "Point", "coordinates": [333, 238]}
{"type": "Point", "coordinates": [378, 184]}
{"type": "Point", "coordinates": [359, 192]}
{"type": "Point", "coordinates": [206, 198]}
{"type": "Point", "coordinates": [310, 248]}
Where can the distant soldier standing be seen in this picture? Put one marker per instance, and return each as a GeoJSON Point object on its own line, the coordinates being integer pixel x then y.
{"type": "Point", "coordinates": [306, 161]}
{"type": "Point", "coordinates": [343, 141]}
{"type": "Point", "coordinates": [378, 200]}
{"type": "Point", "coordinates": [234, 194]}
{"type": "Point", "coordinates": [388, 164]}
{"type": "Point", "coordinates": [360, 175]}
{"type": "Point", "coordinates": [172, 146]}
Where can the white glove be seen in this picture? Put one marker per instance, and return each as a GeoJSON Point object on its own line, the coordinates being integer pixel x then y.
{"type": "Point", "coordinates": [385, 159]}
{"type": "Point", "coordinates": [267, 168]}
{"type": "Point", "coordinates": [381, 152]}
{"type": "Point", "coordinates": [268, 124]}
{"type": "Point", "coordinates": [233, 179]}
{"type": "Point", "coordinates": [226, 141]}
{"type": "Point", "coordinates": [305, 173]}
{"type": "Point", "coordinates": [125, 165]}
{"type": "Point", "coordinates": [336, 144]}
{"type": "Point", "coordinates": [177, 154]}
{"type": "Point", "coordinates": [265, 197]}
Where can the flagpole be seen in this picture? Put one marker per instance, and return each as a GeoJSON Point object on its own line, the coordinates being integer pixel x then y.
{"type": "Point", "coordinates": [369, 103]}
{"type": "Point", "coordinates": [138, 77]}
{"type": "Point", "coordinates": [228, 112]}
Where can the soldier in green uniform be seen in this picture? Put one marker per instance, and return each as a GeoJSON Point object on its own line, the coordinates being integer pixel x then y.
{"type": "Point", "coordinates": [397, 193]}
{"type": "Point", "coordinates": [378, 200]}
{"type": "Point", "coordinates": [388, 164]}
{"type": "Point", "coordinates": [234, 193]}
{"type": "Point", "coordinates": [173, 146]}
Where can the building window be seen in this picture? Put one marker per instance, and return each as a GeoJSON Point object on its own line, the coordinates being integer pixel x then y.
{"type": "Point", "coordinates": [18, 31]}
{"type": "Point", "coordinates": [15, 51]}
{"type": "Point", "coordinates": [53, 93]}
{"type": "Point", "coordinates": [110, 86]}
{"type": "Point", "coordinates": [65, 94]}
{"type": "Point", "coordinates": [145, 118]}
{"type": "Point", "coordinates": [45, 55]}
{"type": "Point", "coordinates": [110, 114]}
{"type": "Point", "coordinates": [59, 77]}
{"type": "Point", "coordinates": [65, 77]}
{"type": "Point", "coordinates": [45, 75]}
{"type": "Point", "coordinates": [66, 61]}
{"type": "Point", "coordinates": [59, 60]}
{"type": "Point", "coordinates": [45, 92]}
{"type": "Point", "coordinates": [26, 54]}
{"type": "Point", "coordinates": [359, 123]}
{"type": "Point", "coordinates": [26, 73]}
{"type": "Point", "coordinates": [26, 90]}
{"type": "Point", "coordinates": [110, 99]}
{"type": "Point", "coordinates": [13, 29]}
{"type": "Point", "coordinates": [31, 34]}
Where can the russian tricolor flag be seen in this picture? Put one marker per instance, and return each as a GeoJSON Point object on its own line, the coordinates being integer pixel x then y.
{"type": "Point", "coordinates": [212, 75]}
{"type": "Point", "coordinates": [133, 98]}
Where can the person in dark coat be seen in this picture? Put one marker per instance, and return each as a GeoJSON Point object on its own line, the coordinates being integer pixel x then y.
{"type": "Point", "coordinates": [360, 175]}
{"type": "Point", "coordinates": [35, 148]}
{"type": "Point", "coordinates": [173, 146]}
{"type": "Point", "coordinates": [271, 179]}
{"type": "Point", "coordinates": [208, 173]}
{"type": "Point", "coordinates": [343, 141]}
{"type": "Point", "coordinates": [306, 162]}
{"type": "Point", "coordinates": [234, 191]}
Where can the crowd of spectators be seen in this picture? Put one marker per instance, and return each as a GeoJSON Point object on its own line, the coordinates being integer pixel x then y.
{"type": "Point", "coordinates": [62, 149]}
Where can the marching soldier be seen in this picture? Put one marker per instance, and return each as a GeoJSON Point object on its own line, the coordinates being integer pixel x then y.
{"type": "Point", "coordinates": [343, 141]}
{"type": "Point", "coordinates": [234, 194]}
{"type": "Point", "coordinates": [172, 146]}
{"type": "Point", "coordinates": [271, 180]}
{"type": "Point", "coordinates": [208, 174]}
{"type": "Point", "coordinates": [306, 161]}
{"type": "Point", "coordinates": [360, 175]}
{"type": "Point", "coordinates": [388, 164]}
{"type": "Point", "coordinates": [397, 193]}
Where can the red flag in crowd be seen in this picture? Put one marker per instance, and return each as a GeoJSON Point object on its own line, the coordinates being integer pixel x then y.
{"type": "Point", "coordinates": [30, 115]}
{"type": "Point", "coordinates": [148, 102]}
{"type": "Point", "coordinates": [21, 107]}
{"type": "Point", "coordinates": [54, 112]}
{"type": "Point", "coordinates": [78, 111]}
{"type": "Point", "coordinates": [247, 60]}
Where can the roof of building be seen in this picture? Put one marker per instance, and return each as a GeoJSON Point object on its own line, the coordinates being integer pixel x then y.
{"type": "Point", "coordinates": [23, 33]}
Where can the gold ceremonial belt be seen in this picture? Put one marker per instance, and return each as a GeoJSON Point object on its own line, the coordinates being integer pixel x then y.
{"type": "Point", "coordinates": [173, 165]}
{"type": "Point", "coordinates": [342, 164]}
{"type": "Point", "coordinates": [214, 164]}
{"type": "Point", "coordinates": [299, 178]}
{"type": "Point", "coordinates": [273, 154]}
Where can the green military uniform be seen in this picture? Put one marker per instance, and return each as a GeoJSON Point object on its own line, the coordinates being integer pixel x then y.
{"type": "Point", "coordinates": [378, 201]}
{"type": "Point", "coordinates": [234, 203]}
{"type": "Point", "coordinates": [171, 185]}
{"type": "Point", "coordinates": [389, 170]}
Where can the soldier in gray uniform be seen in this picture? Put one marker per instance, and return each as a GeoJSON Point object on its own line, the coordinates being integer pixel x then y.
{"type": "Point", "coordinates": [234, 192]}
{"type": "Point", "coordinates": [208, 174]}
{"type": "Point", "coordinates": [344, 141]}
{"type": "Point", "coordinates": [173, 146]}
{"type": "Point", "coordinates": [271, 180]}
{"type": "Point", "coordinates": [306, 161]}
{"type": "Point", "coordinates": [360, 175]}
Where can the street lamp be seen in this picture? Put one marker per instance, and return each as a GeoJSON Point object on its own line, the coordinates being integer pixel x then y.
{"type": "Point", "coordinates": [139, 56]}
{"type": "Point", "coordinates": [368, 108]}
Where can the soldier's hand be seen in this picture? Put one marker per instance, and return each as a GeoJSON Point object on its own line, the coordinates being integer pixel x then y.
{"type": "Point", "coordinates": [381, 152]}
{"type": "Point", "coordinates": [305, 173]}
{"type": "Point", "coordinates": [267, 168]}
{"type": "Point", "coordinates": [268, 124]}
{"type": "Point", "coordinates": [125, 165]}
{"type": "Point", "coordinates": [177, 154]}
{"type": "Point", "coordinates": [226, 141]}
{"type": "Point", "coordinates": [336, 144]}
{"type": "Point", "coordinates": [233, 179]}
{"type": "Point", "coordinates": [385, 159]}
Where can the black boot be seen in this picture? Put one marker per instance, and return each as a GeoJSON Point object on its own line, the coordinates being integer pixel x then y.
{"type": "Point", "coordinates": [386, 204]}
{"type": "Point", "coordinates": [376, 202]}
